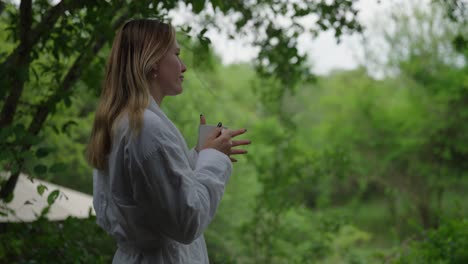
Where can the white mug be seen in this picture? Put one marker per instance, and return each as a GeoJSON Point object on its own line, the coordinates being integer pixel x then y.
{"type": "Point", "coordinates": [204, 131]}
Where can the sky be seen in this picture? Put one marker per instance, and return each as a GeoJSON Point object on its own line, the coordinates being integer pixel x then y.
{"type": "Point", "coordinates": [324, 53]}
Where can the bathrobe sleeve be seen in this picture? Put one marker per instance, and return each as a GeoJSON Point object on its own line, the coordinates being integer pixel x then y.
{"type": "Point", "coordinates": [181, 200]}
{"type": "Point", "coordinates": [193, 156]}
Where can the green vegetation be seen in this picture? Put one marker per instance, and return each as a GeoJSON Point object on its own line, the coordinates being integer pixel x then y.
{"type": "Point", "coordinates": [57, 242]}
{"type": "Point", "coordinates": [346, 168]}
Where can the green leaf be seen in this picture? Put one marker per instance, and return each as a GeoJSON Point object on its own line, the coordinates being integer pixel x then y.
{"type": "Point", "coordinates": [56, 130]}
{"type": "Point", "coordinates": [67, 125]}
{"type": "Point", "coordinates": [5, 132]}
{"type": "Point", "coordinates": [31, 139]}
{"type": "Point", "coordinates": [67, 101]}
{"type": "Point", "coordinates": [3, 213]}
{"type": "Point", "coordinates": [36, 75]}
{"type": "Point", "coordinates": [58, 167]}
{"type": "Point", "coordinates": [198, 6]}
{"type": "Point", "coordinates": [52, 197]}
{"type": "Point", "coordinates": [42, 152]}
{"type": "Point", "coordinates": [40, 169]}
{"type": "Point", "coordinates": [186, 29]}
{"type": "Point", "coordinates": [9, 198]}
{"type": "Point", "coordinates": [27, 155]}
{"type": "Point", "coordinates": [460, 43]}
{"type": "Point", "coordinates": [204, 30]}
{"type": "Point", "coordinates": [44, 211]}
{"type": "Point", "coordinates": [19, 130]}
{"type": "Point", "coordinates": [4, 154]}
{"type": "Point", "coordinates": [41, 188]}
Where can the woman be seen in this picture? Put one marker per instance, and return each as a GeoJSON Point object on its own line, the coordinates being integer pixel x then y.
{"type": "Point", "coordinates": [152, 194]}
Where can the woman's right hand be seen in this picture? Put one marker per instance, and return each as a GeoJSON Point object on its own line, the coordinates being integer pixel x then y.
{"type": "Point", "coordinates": [221, 139]}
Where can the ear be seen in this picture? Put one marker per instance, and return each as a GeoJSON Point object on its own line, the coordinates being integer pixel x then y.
{"type": "Point", "coordinates": [155, 71]}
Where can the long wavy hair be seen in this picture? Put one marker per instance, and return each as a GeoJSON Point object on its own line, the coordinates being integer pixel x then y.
{"type": "Point", "coordinates": [138, 46]}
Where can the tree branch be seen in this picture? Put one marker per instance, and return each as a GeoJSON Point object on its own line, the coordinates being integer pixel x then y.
{"type": "Point", "coordinates": [2, 6]}
{"type": "Point", "coordinates": [72, 76]}
{"type": "Point", "coordinates": [43, 110]}
{"type": "Point", "coordinates": [44, 27]}
{"type": "Point", "coordinates": [16, 75]}
{"type": "Point", "coordinates": [17, 63]}
{"type": "Point", "coordinates": [25, 21]}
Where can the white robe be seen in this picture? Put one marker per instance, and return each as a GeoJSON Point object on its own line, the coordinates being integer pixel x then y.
{"type": "Point", "coordinates": [156, 197]}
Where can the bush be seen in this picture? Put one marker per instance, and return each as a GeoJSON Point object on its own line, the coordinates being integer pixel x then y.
{"type": "Point", "coordinates": [447, 244]}
{"type": "Point", "coordinates": [70, 241]}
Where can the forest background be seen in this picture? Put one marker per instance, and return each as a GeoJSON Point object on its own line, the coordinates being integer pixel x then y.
{"type": "Point", "coordinates": [347, 167]}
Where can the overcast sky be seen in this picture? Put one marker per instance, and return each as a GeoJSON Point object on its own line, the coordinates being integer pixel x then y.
{"type": "Point", "coordinates": [325, 54]}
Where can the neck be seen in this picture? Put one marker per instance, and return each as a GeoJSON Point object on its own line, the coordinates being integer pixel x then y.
{"type": "Point", "coordinates": [157, 97]}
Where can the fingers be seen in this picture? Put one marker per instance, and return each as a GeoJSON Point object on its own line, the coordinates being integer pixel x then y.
{"type": "Point", "coordinates": [202, 119]}
{"type": "Point", "coordinates": [222, 138]}
{"type": "Point", "coordinates": [241, 142]}
{"type": "Point", "coordinates": [238, 151]}
{"type": "Point", "coordinates": [235, 133]}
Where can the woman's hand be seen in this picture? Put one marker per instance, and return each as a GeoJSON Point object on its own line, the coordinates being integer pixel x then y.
{"type": "Point", "coordinates": [221, 139]}
{"type": "Point", "coordinates": [235, 143]}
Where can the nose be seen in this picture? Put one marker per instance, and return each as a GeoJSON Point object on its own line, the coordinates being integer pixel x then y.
{"type": "Point", "coordinates": [184, 68]}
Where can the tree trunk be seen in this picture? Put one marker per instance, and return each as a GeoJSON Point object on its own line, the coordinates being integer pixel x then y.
{"type": "Point", "coordinates": [17, 66]}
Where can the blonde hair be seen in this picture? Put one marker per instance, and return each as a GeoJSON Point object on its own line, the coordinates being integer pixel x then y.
{"type": "Point", "coordinates": [138, 46]}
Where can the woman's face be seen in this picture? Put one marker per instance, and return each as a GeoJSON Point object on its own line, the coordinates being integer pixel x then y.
{"type": "Point", "coordinates": [170, 72]}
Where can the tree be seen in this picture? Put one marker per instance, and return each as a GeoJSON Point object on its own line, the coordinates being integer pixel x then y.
{"type": "Point", "coordinates": [424, 145]}
{"type": "Point", "coordinates": [53, 45]}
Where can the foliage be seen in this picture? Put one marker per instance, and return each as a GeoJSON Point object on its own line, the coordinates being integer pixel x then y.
{"type": "Point", "coordinates": [344, 169]}
{"type": "Point", "coordinates": [70, 241]}
{"type": "Point", "coordinates": [447, 244]}
{"type": "Point", "coordinates": [405, 135]}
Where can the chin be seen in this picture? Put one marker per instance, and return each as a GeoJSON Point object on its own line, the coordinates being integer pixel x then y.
{"type": "Point", "coordinates": [177, 91]}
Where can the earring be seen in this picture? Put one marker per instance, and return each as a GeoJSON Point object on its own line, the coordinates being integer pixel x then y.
{"type": "Point", "coordinates": [155, 75]}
